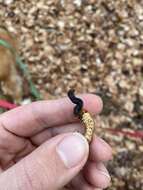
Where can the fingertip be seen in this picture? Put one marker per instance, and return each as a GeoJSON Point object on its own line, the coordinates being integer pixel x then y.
{"type": "Point", "coordinates": [100, 150]}
{"type": "Point", "coordinates": [93, 103]}
{"type": "Point", "coordinates": [97, 175]}
{"type": "Point", "coordinates": [73, 150]}
{"type": "Point", "coordinates": [100, 103]}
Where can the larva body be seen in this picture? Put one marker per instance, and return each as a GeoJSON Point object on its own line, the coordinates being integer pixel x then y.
{"type": "Point", "coordinates": [83, 115]}
{"type": "Point", "coordinates": [89, 124]}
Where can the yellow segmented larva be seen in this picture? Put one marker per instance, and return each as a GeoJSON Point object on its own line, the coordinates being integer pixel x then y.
{"type": "Point", "coordinates": [89, 123]}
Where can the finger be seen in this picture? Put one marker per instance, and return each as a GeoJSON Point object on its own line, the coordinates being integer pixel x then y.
{"type": "Point", "coordinates": [80, 183]}
{"type": "Point", "coordinates": [30, 119]}
{"type": "Point", "coordinates": [97, 175]}
{"type": "Point", "coordinates": [51, 166]}
{"type": "Point", "coordinates": [11, 146]}
{"type": "Point", "coordinates": [99, 149]}
{"type": "Point", "coordinates": [45, 135]}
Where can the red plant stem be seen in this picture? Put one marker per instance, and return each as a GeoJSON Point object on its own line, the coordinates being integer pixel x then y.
{"type": "Point", "coordinates": [6, 105]}
{"type": "Point", "coordinates": [136, 134]}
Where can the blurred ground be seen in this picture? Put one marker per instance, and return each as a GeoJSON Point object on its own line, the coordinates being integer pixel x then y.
{"type": "Point", "coordinates": [94, 46]}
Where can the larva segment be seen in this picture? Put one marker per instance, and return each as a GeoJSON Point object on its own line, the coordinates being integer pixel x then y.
{"type": "Point", "coordinates": [89, 124]}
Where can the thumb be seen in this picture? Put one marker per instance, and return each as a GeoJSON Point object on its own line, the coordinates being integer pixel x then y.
{"type": "Point", "coordinates": [49, 167]}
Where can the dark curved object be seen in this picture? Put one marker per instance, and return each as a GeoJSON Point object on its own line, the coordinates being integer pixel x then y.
{"type": "Point", "coordinates": [77, 101]}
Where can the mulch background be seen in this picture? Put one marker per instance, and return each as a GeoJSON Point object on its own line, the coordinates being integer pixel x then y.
{"type": "Point", "coordinates": [95, 46]}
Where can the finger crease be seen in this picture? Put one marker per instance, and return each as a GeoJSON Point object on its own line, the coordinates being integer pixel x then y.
{"type": "Point", "coordinates": [5, 128]}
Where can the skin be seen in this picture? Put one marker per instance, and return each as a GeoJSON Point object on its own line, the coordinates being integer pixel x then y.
{"type": "Point", "coordinates": [28, 138]}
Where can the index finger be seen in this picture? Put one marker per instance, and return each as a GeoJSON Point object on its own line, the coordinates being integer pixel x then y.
{"type": "Point", "coordinates": [30, 119]}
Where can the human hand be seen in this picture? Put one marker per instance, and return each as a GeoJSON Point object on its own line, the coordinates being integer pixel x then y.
{"type": "Point", "coordinates": [40, 151]}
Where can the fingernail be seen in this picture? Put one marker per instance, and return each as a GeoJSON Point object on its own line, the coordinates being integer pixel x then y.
{"type": "Point", "coordinates": [102, 169]}
{"type": "Point", "coordinates": [73, 149]}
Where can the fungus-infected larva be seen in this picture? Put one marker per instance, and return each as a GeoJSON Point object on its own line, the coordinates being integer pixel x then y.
{"type": "Point", "coordinates": [89, 124]}
{"type": "Point", "coordinates": [83, 115]}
